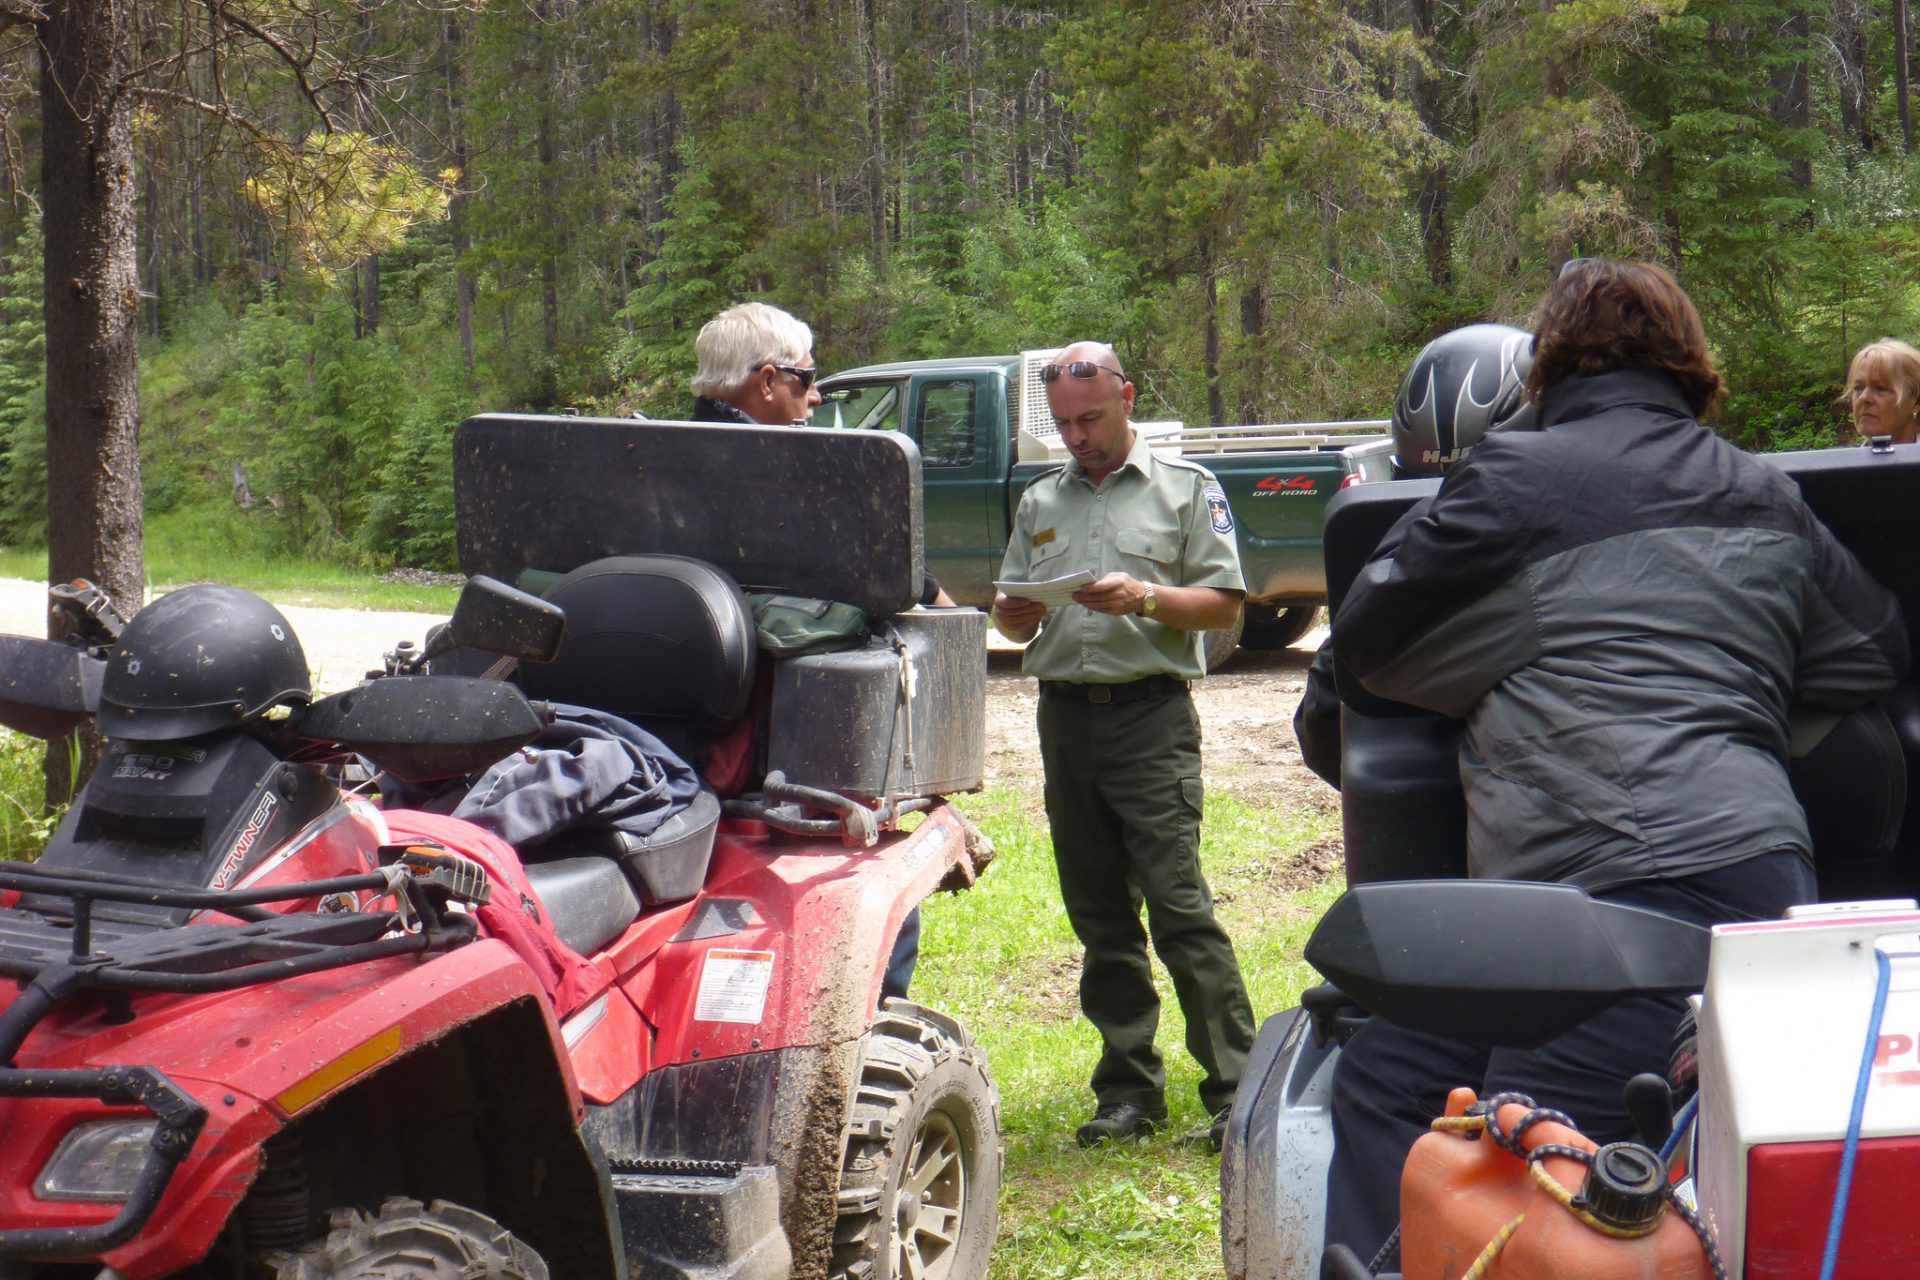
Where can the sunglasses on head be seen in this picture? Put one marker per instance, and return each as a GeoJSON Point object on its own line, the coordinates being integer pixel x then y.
{"type": "Point", "coordinates": [806, 376]}
{"type": "Point", "coordinates": [1050, 374]}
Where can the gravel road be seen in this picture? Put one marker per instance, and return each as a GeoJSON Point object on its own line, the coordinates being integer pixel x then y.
{"type": "Point", "coordinates": [1246, 711]}
{"type": "Point", "coordinates": [341, 644]}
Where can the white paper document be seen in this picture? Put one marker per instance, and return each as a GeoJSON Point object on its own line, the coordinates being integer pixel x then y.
{"type": "Point", "coordinates": [1052, 593]}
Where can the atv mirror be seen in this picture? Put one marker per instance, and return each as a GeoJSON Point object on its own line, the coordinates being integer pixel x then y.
{"type": "Point", "coordinates": [496, 618]}
{"type": "Point", "coordinates": [47, 689]}
{"type": "Point", "coordinates": [1499, 962]}
{"type": "Point", "coordinates": [425, 728]}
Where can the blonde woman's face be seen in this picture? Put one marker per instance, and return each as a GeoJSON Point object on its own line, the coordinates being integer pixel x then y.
{"type": "Point", "coordinates": [1882, 409]}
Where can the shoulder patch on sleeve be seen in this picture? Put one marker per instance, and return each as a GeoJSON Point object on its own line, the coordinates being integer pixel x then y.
{"type": "Point", "coordinates": [1217, 509]}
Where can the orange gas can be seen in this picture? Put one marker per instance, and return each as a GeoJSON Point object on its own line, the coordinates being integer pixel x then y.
{"type": "Point", "coordinates": [1460, 1191]}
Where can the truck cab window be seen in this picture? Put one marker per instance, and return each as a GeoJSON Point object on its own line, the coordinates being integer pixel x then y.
{"type": "Point", "coordinates": [872, 406]}
{"type": "Point", "coordinates": [946, 423]}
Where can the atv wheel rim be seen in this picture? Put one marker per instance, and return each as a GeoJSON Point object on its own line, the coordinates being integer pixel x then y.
{"type": "Point", "coordinates": [933, 1191]}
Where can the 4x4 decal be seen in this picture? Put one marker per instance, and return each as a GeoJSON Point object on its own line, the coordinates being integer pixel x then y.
{"type": "Point", "coordinates": [1285, 486]}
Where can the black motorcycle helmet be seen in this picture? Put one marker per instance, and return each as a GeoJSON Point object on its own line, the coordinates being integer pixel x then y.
{"type": "Point", "coordinates": [1462, 385]}
{"type": "Point", "coordinates": [200, 659]}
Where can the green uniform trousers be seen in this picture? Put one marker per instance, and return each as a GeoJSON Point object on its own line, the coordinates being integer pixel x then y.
{"type": "Point", "coordinates": [1123, 800]}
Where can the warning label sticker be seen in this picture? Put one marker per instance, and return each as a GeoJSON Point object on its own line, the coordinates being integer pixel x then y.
{"type": "Point", "coordinates": [733, 986]}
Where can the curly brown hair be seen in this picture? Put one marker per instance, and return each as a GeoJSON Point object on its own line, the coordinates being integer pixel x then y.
{"type": "Point", "coordinates": [1603, 314]}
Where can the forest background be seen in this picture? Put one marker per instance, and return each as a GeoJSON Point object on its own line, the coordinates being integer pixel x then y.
{"type": "Point", "coordinates": [359, 221]}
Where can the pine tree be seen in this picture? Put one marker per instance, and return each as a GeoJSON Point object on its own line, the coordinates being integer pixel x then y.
{"type": "Point", "coordinates": [23, 424]}
{"type": "Point", "coordinates": [698, 273]}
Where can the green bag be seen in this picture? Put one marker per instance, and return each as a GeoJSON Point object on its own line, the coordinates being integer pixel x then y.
{"type": "Point", "coordinates": [792, 625]}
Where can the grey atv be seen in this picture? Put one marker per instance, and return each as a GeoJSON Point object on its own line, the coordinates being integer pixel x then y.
{"type": "Point", "coordinates": [1404, 819]}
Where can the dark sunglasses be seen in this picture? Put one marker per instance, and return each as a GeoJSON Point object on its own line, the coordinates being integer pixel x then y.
{"type": "Point", "coordinates": [1050, 374]}
{"type": "Point", "coordinates": [806, 376]}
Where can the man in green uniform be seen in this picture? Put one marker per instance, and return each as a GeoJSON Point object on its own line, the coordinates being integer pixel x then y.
{"type": "Point", "coordinates": [1119, 739]}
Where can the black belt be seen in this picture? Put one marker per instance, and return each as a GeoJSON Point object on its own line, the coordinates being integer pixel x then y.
{"type": "Point", "coordinates": [1119, 694]}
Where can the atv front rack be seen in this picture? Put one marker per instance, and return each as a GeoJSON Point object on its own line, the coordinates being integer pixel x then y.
{"type": "Point", "coordinates": [60, 955]}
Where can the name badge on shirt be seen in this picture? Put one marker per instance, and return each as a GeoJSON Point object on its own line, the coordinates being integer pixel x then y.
{"type": "Point", "coordinates": [1217, 508]}
{"type": "Point", "coordinates": [1045, 536]}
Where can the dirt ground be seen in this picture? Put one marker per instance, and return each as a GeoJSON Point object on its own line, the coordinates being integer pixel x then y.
{"type": "Point", "coordinates": [1246, 710]}
{"type": "Point", "coordinates": [1246, 722]}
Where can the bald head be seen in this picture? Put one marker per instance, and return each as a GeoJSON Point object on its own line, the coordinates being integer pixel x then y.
{"type": "Point", "coordinates": [1091, 402]}
{"type": "Point", "coordinates": [1097, 352]}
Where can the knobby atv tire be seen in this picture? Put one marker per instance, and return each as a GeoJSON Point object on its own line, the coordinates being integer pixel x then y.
{"type": "Point", "coordinates": [920, 1185]}
{"type": "Point", "coordinates": [409, 1241]}
{"type": "Point", "coordinates": [1219, 646]}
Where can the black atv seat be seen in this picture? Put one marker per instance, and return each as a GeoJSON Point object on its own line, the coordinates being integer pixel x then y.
{"type": "Point", "coordinates": [650, 637]}
{"type": "Point", "coordinates": [588, 900]}
{"type": "Point", "coordinates": [666, 642]}
{"type": "Point", "coordinates": [1856, 788]}
{"type": "Point", "coordinates": [667, 864]}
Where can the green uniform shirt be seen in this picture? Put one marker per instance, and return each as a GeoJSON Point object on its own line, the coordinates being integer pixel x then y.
{"type": "Point", "coordinates": [1160, 518]}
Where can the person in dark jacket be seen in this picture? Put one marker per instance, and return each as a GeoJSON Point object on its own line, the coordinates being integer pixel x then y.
{"type": "Point", "coordinates": [1622, 607]}
{"type": "Point", "coordinates": [1462, 385]}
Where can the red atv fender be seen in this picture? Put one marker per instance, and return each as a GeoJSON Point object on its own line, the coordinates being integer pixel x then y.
{"type": "Point", "coordinates": [764, 988]}
{"type": "Point", "coordinates": [257, 1059]}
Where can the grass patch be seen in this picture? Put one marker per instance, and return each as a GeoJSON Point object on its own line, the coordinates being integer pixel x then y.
{"type": "Point", "coordinates": [24, 827]}
{"type": "Point", "coordinates": [1002, 959]}
{"type": "Point", "coordinates": [217, 543]}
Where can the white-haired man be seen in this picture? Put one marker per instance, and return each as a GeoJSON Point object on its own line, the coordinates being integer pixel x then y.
{"type": "Point", "coordinates": [756, 366]}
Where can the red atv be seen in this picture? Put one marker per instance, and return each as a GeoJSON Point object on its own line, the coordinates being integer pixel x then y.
{"type": "Point", "coordinates": [265, 1027]}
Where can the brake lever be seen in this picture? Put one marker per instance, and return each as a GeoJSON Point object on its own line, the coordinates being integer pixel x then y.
{"type": "Point", "coordinates": [93, 619]}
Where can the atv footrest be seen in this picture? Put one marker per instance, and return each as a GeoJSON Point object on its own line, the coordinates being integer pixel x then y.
{"type": "Point", "coordinates": [688, 1226]}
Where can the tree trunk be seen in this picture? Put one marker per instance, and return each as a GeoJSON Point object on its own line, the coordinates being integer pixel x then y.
{"type": "Point", "coordinates": [1850, 19]}
{"type": "Point", "coordinates": [1792, 98]}
{"type": "Point", "coordinates": [370, 295]}
{"type": "Point", "coordinates": [876, 142]}
{"type": "Point", "coordinates": [1902, 37]}
{"type": "Point", "coordinates": [549, 145]}
{"type": "Point", "coordinates": [149, 265]}
{"type": "Point", "coordinates": [452, 45]}
{"type": "Point", "coordinates": [368, 272]}
{"type": "Point", "coordinates": [1022, 154]}
{"type": "Point", "coordinates": [1253, 328]}
{"type": "Point", "coordinates": [1429, 99]}
{"type": "Point", "coordinates": [1210, 354]}
{"type": "Point", "coordinates": [92, 310]}
{"type": "Point", "coordinates": [196, 212]}
{"type": "Point", "coordinates": [1554, 175]}
{"type": "Point", "coordinates": [149, 238]}
{"type": "Point", "coordinates": [963, 22]}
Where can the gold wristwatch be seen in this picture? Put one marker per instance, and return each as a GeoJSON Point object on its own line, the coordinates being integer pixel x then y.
{"type": "Point", "coordinates": [1147, 605]}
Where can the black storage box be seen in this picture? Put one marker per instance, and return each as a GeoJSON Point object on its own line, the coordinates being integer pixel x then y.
{"type": "Point", "coordinates": [840, 721]}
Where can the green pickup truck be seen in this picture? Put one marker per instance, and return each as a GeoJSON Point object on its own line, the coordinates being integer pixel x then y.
{"type": "Point", "coordinates": [984, 434]}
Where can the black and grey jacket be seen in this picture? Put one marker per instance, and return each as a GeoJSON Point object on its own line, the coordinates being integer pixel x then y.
{"type": "Point", "coordinates": [1622, 606]}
